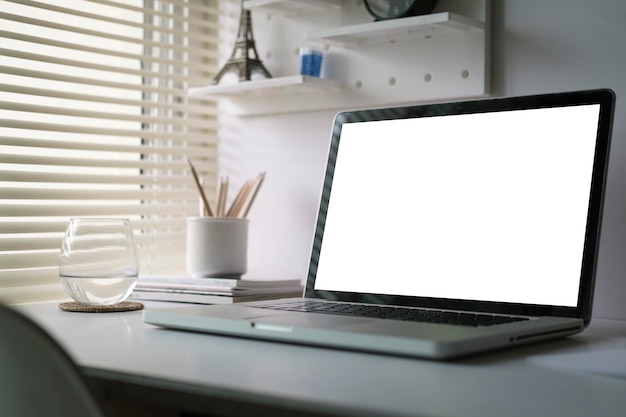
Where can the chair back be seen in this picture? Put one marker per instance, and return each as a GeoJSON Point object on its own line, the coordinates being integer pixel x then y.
{"type": "Point", "coordinates": [37, 376]}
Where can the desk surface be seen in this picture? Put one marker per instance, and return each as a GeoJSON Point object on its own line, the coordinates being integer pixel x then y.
{"type": "Point", "coordinates": [583, 375]}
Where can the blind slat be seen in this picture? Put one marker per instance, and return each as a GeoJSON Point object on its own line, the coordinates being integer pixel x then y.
{"type": "Point", "coordinates": [53, 177]}
{"type": "Point", "coordinates": [13, 226]}
{"type": "Point", "coordinates": [33, 226]}
{"type": "Point", "coordinates": [191, 109]}
{"type": "Point", "coordinates": [32, 108]}
{"type": "Point", "coordinates": [211, 11]}
{"type": "Point", "coordinates": [34, 276]}
{"type": "Point", "coordinates": [27, 243]}
{"type": "Point", "coordinates": [67, 128]}
{"type": "Point", "coordinates": [103, 163]}
{"type": "Point", "coordinates": [107, 35]}
{"type": "Point", "coordinates": [47, 75]}
{"type": "Point", "coordinates": [112, 194]}
{"type": "Point", "coordinates": [29, 259]}
{"type": "Point", "coordinates": [99, 210]}
{"type": "Point", "coordinates": [200, 52]}
{"type": "Point", "coordinates": [200, 152]}
{"type": "Point", "coordinates": [180, 65]}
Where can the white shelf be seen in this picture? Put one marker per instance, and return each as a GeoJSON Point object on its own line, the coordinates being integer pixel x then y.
{"type": "Point", "coordinates": [291, 7]}
{"type": "Point", "coordinates": [269, 87]}
{"type": "Point", "coordinates": [396, 29]}
{"type": "Point", "coordinates": [441, 56]}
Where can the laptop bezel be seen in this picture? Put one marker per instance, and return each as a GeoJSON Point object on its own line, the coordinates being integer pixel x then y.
{"type": "Point", "coordinates": [604, 97]}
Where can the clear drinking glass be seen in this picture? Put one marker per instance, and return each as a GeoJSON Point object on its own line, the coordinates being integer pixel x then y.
{"type": "Point", "coordinates": [99, 264]}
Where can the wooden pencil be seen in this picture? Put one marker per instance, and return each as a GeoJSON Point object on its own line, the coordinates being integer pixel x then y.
{"type": "Point", "coordinates": [254, 190]}
{"type": "Point", "coordinates": [222, 194]}
{"type": "Point", "coordinates": [235, 206]}
{"type": "Point", "coordinates": [196, 178]}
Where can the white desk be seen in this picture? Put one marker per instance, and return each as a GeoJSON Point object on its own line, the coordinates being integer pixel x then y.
{"type": "Point", "coordinates": [211, 374]}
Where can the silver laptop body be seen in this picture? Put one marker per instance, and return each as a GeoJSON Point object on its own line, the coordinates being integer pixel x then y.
{"type": "Point", "coordinates": [479, 208]}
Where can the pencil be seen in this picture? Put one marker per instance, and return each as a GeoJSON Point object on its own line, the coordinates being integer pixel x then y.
{"type": "Point", "coordinates": [207, 206]}
{"type": "Point", "coordinates": [202, 208]}
{"type": "Point", "coordinates": [235, 207]}
{"type": "Point", "coordinates": [222, 194]}
{"type": "Point", "coordinates": [254, 190]}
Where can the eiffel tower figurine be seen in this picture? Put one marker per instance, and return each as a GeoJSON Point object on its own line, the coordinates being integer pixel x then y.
{"type": "Point", "coordinates": [244, 61]}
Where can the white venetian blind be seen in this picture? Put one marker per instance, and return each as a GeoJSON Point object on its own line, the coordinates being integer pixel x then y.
{"type": "Point", "coordinates": [94, 122]}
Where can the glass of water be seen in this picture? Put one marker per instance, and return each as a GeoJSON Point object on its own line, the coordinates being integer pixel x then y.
{"type": "Point", "coordinates": [99, 264]}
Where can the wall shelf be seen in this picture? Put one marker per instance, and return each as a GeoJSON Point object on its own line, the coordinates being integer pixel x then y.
{"type": "Point", "coordinates": [435, 57]}
{"type": "Point", "coordinates": [395, 30]}
{"type": "Point", "coordinates": [291, 7]}
{"type": "Point", "coordinates": [295, 84]}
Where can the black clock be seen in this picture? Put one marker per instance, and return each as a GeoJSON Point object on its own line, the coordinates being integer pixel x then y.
{"type": "Point", "coordinates": [394, 9]}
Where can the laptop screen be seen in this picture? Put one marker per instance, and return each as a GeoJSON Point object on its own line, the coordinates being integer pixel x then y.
{"type": "Point", "coordinates": [487, 205]}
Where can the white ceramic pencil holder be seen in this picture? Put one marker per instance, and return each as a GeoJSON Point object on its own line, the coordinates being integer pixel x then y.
{"type": "Point", "coordinates": [217, 247]}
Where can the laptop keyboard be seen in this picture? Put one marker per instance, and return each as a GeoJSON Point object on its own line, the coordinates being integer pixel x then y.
{"type": "Point", "coordinates": [394, 313]}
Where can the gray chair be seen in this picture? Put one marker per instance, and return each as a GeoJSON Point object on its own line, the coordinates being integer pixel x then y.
{"type": "Point", "coordinates": [37, 377]}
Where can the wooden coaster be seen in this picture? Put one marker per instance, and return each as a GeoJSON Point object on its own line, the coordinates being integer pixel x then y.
{"type": "Point", "coordinates": [84, 308]}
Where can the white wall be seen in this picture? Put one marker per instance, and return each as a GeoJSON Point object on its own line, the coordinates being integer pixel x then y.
{"type": "Point", "coordinates": [558, 45]}
{"type": "Point", "coordinates": [538, 47]}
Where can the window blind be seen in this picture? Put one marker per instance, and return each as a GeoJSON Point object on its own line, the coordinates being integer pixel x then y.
{"type": "Point", "coordinates": [95, 122]}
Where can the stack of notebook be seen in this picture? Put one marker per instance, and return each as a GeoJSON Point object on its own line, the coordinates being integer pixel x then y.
{"type": "Point", "coordinates": [214, 290]}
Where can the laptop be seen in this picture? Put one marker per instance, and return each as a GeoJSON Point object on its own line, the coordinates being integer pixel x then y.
{"type": "Point", "coordinates": [445, 230]}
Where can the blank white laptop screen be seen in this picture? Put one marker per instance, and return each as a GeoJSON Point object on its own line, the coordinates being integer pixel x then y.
{"type": "Point", "coordinates": [488, 207]}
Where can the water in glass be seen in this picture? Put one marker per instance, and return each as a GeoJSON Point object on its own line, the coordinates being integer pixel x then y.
{"type": "Point", "coordinates": [98, 263]}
